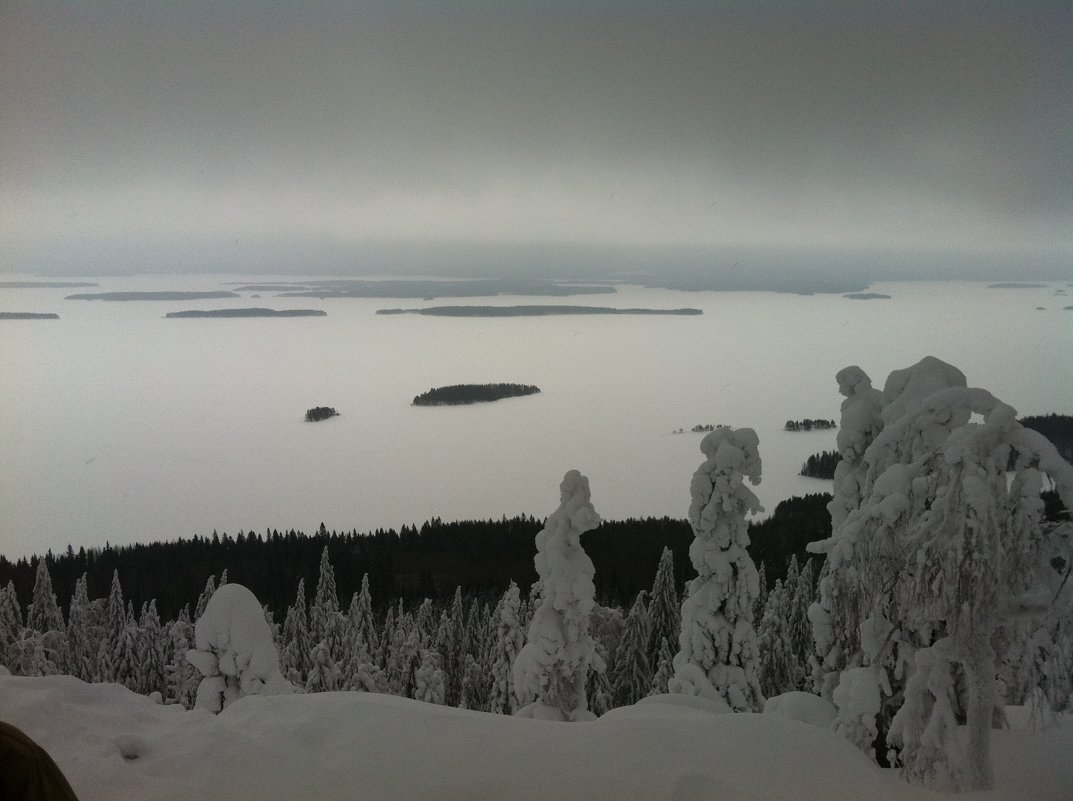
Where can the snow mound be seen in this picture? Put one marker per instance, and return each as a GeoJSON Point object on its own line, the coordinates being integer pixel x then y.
{"type": "Point", "coordinates": [803, 707]}
{"type": "Point", "coordinates": [349, 745]}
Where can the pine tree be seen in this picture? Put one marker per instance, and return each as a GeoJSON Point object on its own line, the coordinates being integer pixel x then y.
{"type": "Point", "coordinates": [509, 641]}
{"type": "Point", "coordinates": [762, 594]}
{"type": "Point", "coordinates": [630, 676]}
{"type": "Point", "coordinates": [205, 597]}
{"type": "Point", "coordinates": [151, 648]}
{"type": "Point", "coordinates": [777, 663]}
{"type": "Point", "coordinates": [10, 622]}
{"type": "Point", "coordinates": [664, 612]}
{"type": "Point", "coordinates": [295, 656]}
{"type": "Point", "coordinates": [115, 624]}
{"type": "Point", "coordinates": [44, 614]}
{"type": "Point", "coordinates": [325, 620]}
{"type": "Point", "coordinates": [454, 655]}
{"type": "Point", "coordinates": [718, 655]}
{"type": "Point", "coordinates": [800, 627]}
{"type": "Point", "coordinates": [81, 645]}
{"type": "Point", "coordinates": [182, 678]}
{"type": "Point", "coordinates": [664, 669]}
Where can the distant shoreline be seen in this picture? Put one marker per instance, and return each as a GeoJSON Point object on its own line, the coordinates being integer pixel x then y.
{"type": "Point", "coordinates": [532, 311]}
{"type": "Point", "coordinates": [253, 312]}
{"type": "Point", "coordinates": [170, 295]}
{"type": "Point", "coordinates": [28, 316]}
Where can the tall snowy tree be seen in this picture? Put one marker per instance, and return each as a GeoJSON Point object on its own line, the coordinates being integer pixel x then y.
{"type": "Point", "coordinates": [82, 646]}
{"type": "Point", "coordinates": [113, 630]}
{"type": "Point", "coordinates": [941, 549]}
{"type": "Point", "coordinates": [325, 620]}
{"type": "Point", "coordinates": [664, 610]}
{"type": "Point", "coordinates": [630, 676]}
{"type": "Point", "coordinates": [509, 642]}
{"type": "Point", "coordinates": [717, 654]}
{"type": "Point", "coordinates": [10, 621]}
{"type": "Point", "coordinates": [44, 614]}
{"type": "Point", "coordinates": [151, 649]}
{"type": "Point", "coordinates": [777, 662]}
{"type": "Point", "coordinates": [664, 669]}
{"type": "Point", "coordinates": [181, 677]}
{"type": "Point", "coordinates": [559, 652]}
{"type": "Point", "coordinates": [205, 597]}
{"type": "Point", "coordinates": [295, 656]}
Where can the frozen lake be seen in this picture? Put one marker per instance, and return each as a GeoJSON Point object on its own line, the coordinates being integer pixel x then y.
{"type": "Point", "coordinates": [119, 425]}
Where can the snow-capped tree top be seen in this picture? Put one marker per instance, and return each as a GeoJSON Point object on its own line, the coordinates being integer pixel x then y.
{"type": "Point", "coordinates": [563, 566]}
{"type": "Point", "coordinates": [907, 388]}
{"type": "Point", "coordinates": [233, 626]}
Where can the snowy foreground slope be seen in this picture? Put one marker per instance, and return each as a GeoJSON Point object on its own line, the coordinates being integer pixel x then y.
{"type": "Point", "coordinates": [113, 744]}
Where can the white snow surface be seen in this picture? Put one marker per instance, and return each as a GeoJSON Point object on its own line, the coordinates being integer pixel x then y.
{"type": "Point", "coordinates": [114, 745]}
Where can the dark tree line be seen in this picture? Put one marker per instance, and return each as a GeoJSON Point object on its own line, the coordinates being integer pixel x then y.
{"type": "Point", "coordinates": [479, 556]}
{"type": "Point", "coordinates": [1058, 428]}
{"type": "Point", "coordinates": [472, 393]}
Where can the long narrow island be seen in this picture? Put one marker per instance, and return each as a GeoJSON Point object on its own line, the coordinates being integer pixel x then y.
{"type": "Point", "coordinates": [167, 295]}
{"type": "Point", "coordinates": [247, 313]}
{"type": "Point", "coordinates": [28, 316]}
{"type": "Point", "coordinates": [529, 311]}
{"type": "Point", "coordinates": [457, 394]}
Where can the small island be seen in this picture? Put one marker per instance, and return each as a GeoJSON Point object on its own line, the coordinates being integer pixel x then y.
{"type": "Point", "coordinates": [530, 311]}
{"type": "Point", "coordinates": [867, 296]}
{"type": "Point", "coordinates": [821, 465]}
{"type": "Point", "coordinates": [254, 312]}
{"type": "Point", "coordinates": [457, 394]}
{"type": "Point", "coordinates": [809, 425]}
{"type": "Point", "coordinates": [1016, 285]}
{"type": "Point", "coordinates": [701, 428]}
{"type": "Point", "coordinates": [28, 316]}
{"type": "Point", "coordinates": [152, 296]}
{"type": "Point", "coordinates": [318, 413]}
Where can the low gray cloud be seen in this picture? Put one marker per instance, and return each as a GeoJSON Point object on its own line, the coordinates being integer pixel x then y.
{"type": "Point", "coordinates": [836, 125]}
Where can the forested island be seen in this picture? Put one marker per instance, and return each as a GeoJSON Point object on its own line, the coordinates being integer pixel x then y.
{"type": "Point", "coordinates": [821, 465]}
{"type": "Point", "coordinates": [457, 394]}
{"type": "Point", "coordinates": [169, 295]}
{"type": "Point", "coordinates": [28, 316]}
{"type": "Point", "coordinates": [1016, 285]}
{"type": "Point", "coordinates": [529, 311]}
{"type": "Point", "coordinates": [867, 296]}
{"type": "Point", "coordinates": [318, 413]}
{"type": "Point", "coordinates": [809, 425]}
{"type": "Point", "coordinates": [252, 312]}
{"type": "Point", "coordinates": [701, 428]}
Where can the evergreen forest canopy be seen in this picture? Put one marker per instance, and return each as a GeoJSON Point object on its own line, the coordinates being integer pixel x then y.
{"type": "Point", "coordinates": [457, 394]}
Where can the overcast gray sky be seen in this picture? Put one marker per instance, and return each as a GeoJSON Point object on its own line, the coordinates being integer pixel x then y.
{"type": "Point", "coordinates": [898, 126]}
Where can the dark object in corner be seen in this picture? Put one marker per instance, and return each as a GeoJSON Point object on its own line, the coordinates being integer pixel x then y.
{"type": "Point", "coordinates": [318, 413]}
{"type": "Point", "coordinates": [27, 772]}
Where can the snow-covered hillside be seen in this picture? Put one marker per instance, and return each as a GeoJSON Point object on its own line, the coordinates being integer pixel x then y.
{"type": "Point", "coordinates": [113, 745]}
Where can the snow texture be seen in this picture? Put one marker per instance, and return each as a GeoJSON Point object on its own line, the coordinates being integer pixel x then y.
{"type": "Point", "coordinates": [234, 651]}
{"type": "Point", "coordinates": [717, 655]}
{"type": "Point", "coordinates": [358, 746]}
{"type": "Point", "coordinates": [552, 668]}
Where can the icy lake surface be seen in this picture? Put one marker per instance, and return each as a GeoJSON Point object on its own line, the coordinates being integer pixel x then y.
{"type": "Point", "coordinates": [119, 425]}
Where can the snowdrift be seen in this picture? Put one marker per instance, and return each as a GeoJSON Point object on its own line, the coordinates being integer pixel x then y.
{"type": "Point", "coordinates": [115, 745]}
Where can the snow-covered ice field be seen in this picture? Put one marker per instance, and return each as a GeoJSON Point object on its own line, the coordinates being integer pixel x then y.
{"type": "Point", "coordinates": [114, 745]}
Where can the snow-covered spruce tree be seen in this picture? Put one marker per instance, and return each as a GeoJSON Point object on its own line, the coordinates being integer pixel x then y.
{"type": "Point", "coordinates": [760, 602]}
{"type": "Point", "coordinates": [802, 594]}
{"type": "Point", "coordinates": [777, 662]}
{"type": "Point", "coordinates": [10, 622]}
{"type": "Point", "coordinates": [151, 648]}
{"type": "Point", "coordinates": [205, 597]}
{"type": "Point", "coordinates": [324, 674]}
{"type": "Point", "coordinates": [114, 625]}
{"type": "Point", "coordinates": [942, 551]}
{"type": "Point", "coordinates": [664, 669]}
{"type": "Point", "coordinates": [509, 642]}
{"type": "Point", "coordinates": [82, 646]}
{"type": "Point", "coordinates": [717, 655]}
{"type": "Point", "coordinates": [294, 657]}
{"type": "Point", "coordinates": [454, 654]}
{"type": "Point", "coordinates": [428, 678]}
{"type": "Point", "coordinates": [630, 676]}
{"type": "Point", "coordinates": [664, 610]}
{"type": "Point", "coordinates": [325, 619]}
{"type": "Point", "coordinates": [181, 677]}
{"type": "Point", "coordinates": [44, 614]}
{"type": "Point", "coordinates": [234, 651]}
{"type": "Point", "coordinates": [559, 653]}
